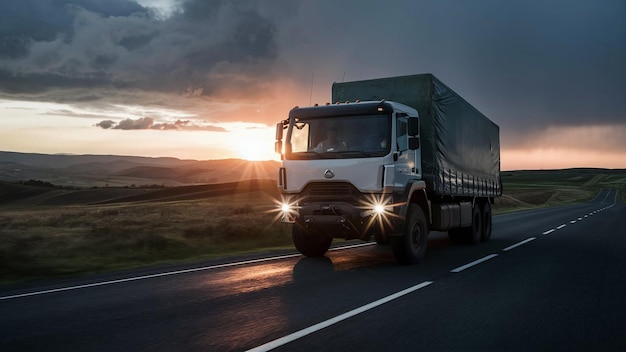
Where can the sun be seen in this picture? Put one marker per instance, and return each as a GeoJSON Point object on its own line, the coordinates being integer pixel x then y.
{"type": "Point", "coordinates": [256, 153]}
{"type": "Point", "coordinates": [249, 141]}
{"type": "Point", "coordinates": [255, 148]}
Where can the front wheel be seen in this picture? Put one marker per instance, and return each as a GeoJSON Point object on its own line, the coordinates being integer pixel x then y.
{"type": "Point", "coordinates": [308, 244]}
{"type": "Point", "coordinates": [410, 248]}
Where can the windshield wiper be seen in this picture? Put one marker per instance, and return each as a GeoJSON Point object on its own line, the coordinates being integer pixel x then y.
{"type": "Point", "coordinates": [331, 155]}
{"type": "Point", "coordinates": [353, 153]}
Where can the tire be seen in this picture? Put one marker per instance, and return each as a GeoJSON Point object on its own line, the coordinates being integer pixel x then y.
{"type": "Point", "coordinates": [475, 232]}
{"type": "Point", "coordinates": [308, 244]}
{"type": "Point", "coordinates": [410, 248]}
{"type": "Point", "coordinates": [486, 221]}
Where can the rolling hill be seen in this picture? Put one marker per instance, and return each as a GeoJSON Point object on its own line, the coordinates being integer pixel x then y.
{"type": "Point", "coordinates": [84, 171]}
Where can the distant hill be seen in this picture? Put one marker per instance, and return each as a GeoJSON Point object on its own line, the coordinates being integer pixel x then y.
{"type": "Point", "coordinates": [84, 171]}
{"type": "Point", "coordinates": [15, 195]}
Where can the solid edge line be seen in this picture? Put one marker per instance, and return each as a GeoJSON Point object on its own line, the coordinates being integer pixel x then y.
{"type": "Point", "coordinates": [136, 278]}
{"type": "Point", "coordinates": [319, 326]}
{"type": "Point", "coordinates": [469, 265]}
{"type": "Point", "coordinates": [177, 272]}
{"type": "Point", "coordinates": [518, 244]}
{"type": "Point", "coordinates": [352, 246]}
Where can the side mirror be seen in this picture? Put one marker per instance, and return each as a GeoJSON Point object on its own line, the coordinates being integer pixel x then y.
{"type": "Point", "coordinates": [413, 126]}
{"type": "Point", "coordinates": [278, 147]}
{"type": "Point", "coordinates": [279, 131]}
{"type": "Point", "coordinates": [414, 143]}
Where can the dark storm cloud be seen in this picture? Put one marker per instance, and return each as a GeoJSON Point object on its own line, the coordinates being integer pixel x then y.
{"type": "Point", "coordinates": [528, 65]}
{"type": "Point", "coordinates": [26, 22]}
{"type": "Point", "coordinates": [67, 44]}
{"type": "Point", "coordinates": [543, 64]}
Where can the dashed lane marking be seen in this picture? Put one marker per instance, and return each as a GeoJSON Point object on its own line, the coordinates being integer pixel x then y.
{"type": "Point", "coordinates": [475, 262]}
{"type": "Point", "coordinates": [519, 244]}
{"type": "Point", "coordinates": [319, 326]}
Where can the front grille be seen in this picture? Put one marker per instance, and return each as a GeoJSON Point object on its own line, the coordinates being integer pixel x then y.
{"type": "Point", "coordinates": [330, 191]}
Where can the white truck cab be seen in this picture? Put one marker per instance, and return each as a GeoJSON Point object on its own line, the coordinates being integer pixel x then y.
{"type": "Point", "coordinates": [345, 188]}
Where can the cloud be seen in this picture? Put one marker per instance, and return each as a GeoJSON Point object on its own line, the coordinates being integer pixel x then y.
{"type": "Point", "coordinates": [528, 66]}
{"type": "Point", "coordinates": [106, 124]}
{"type": "Point", "coordinates": [143, 123]}
{"type": "Point", "coordinates": [147, 123]}
{"type": "Point", "coordinates": [84, 44]}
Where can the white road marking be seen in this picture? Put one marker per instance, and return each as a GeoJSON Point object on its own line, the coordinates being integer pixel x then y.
{"type": "Point", "coordinates": [475, 262]}
{"type": "Point", "coordinates": [169, 273]}
{"type": "Point", "coordinates": [319, 326]}
{"type": "Point", "coordinates": [352, 246]}
{"type": "Point", "coordinates": [560, 226]}
{"type": "Point", "coordinates": [518, 244]}
{"type": "Point", "coordinates": [548, 232]}
{"type": "Point", "coordinates": [136, 278]}
{"type": "Point", "coordinates": [572, 222]}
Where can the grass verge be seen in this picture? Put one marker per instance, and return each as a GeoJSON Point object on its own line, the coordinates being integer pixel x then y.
{"type": "Point", "coordinates": [61, 241]}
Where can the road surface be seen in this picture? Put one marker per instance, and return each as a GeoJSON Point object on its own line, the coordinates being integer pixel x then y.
{"type": "Point", "coordinates": [551, 279]}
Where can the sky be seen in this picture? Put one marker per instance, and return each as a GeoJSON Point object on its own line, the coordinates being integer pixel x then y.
{"type": "Point", "coordinates": [209, 79]}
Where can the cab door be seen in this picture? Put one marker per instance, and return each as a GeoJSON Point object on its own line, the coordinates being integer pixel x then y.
{"type": "Point", "coordinates": [407, 157]}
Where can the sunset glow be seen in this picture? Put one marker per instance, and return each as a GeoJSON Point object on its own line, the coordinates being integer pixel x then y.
{"type": "Point", "coordinates": [252, 142]}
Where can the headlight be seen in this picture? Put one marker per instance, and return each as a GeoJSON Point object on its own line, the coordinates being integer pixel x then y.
{"type": "Point", "coordinates": [287, 209]}
{"type": "Point", "coordinates": [376, 207]}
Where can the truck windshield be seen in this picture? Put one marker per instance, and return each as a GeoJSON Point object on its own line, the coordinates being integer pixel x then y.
{"type": "Point", "coordinates": [358, 136]}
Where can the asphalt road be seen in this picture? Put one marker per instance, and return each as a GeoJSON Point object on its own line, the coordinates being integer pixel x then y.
{"type": "Point", "coordinates": [552, 279]}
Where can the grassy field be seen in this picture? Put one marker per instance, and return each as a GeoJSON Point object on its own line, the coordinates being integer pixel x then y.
{"type": "Point", "coordinates": [68, 240]}
{"type": "Point", "coordinates": [546, 188]}
{"type": "Point", "coordinates": [157, 227]}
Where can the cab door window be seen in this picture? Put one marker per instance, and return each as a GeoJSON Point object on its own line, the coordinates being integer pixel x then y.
{"type": "Point", "coordinates": [401, 134]}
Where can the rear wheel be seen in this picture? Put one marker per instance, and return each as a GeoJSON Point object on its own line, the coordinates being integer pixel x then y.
{"type": "Point", "coordinates": [410, 248]}
{"type": "Point", "coordinates": [486, 224]}
{"type": "Point", "coordinates": [309, 244]}
{"type": "Point", "coordinates": [475, 232]}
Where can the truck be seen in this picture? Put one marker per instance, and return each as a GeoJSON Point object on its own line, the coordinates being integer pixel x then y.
{"type": "Point", "coordinates": [392, 159]}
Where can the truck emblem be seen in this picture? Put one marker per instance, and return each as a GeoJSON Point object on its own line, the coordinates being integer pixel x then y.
{"type": "Point", "coordinates": [329, 174]}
